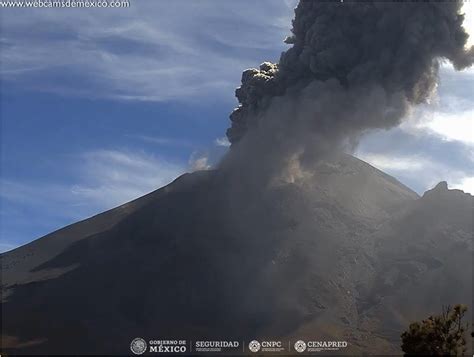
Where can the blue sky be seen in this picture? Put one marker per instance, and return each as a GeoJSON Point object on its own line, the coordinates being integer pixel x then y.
{"type": "Point", "coordinates": [100, 106]}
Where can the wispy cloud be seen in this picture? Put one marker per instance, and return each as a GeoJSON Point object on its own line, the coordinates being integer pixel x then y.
{"type": "Point", "coordinates": [5, 247]}
{"type": "Point", "coordinates": [104, 179]}
{"type": "Point", "coordinates": [163, 141]}
{"type": "Point", "coordinates": [453, 126]}
{"type": "Point", "coordinates": [451, 120]}
{"type": "Point", "coordinates": [420, 172]}
{"type": "Point", "coordinates": [407, 163]}
{"type": "Point", "coordinates": [152, 51]}
{"type": "Point", "coordinates": [113, 177]}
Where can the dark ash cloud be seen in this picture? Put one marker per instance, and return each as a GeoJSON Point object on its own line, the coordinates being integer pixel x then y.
{"type": "Point", "coordinates": [353, 66]}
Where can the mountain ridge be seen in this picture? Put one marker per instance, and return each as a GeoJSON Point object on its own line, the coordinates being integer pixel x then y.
{"type": "Point", "coordinates": [342, 241]}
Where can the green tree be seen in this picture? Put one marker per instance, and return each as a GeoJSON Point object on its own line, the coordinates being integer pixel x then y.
{"type": "Point", "coordinates": [441, 335]}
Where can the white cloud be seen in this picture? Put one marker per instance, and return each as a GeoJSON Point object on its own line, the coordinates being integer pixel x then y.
{"type": "Point", "coordinates": [468, 9]}
{"type": "Point", "coordinates": [383, 162]}
{"type": "Point", "coordinates": [105, 179]}
{"type": "Point", "coordinates": [416, 170]}
{"type": "Point", "coordinates": [114, 177]}
{"type": "Point", "coordinates": [154, 51]}
{"type": "Point", "coordinates": [454, 126]}
{"type": "Point", "coordinates": [222, 141]}
{"type": "Point", "coordinates": [199, 161]}
{"type": "Point", "coordinates": [451, 125]}
{"type": "Point", "coordinates": [444, 131]}
{"type": "Point", "coordinates": [466, 184]}
{"type": "Point", "coordinates": [450, 115]}
{"type": "Point", "coordinates": [50, 197]}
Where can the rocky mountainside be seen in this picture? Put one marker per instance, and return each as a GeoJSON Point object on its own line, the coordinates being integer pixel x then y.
{"type": "Point", "coordinates": [345, 253]}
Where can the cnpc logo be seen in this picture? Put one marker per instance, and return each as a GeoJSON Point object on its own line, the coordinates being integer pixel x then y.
{"type": "Point", "coordinates": [256, 346]}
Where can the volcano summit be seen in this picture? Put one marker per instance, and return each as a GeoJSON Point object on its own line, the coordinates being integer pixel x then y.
{"type": "Point", "coordinates": [346, 254]}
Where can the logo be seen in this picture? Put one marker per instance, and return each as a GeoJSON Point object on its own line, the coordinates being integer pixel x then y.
{"type": "Point", "coordinates": [216, 346]}
{"type": "Point", "coordinates": [319, 346]}
{"type": "Point", "coordinates": [138, 346]}
{"type": "Point", "coordinates": [168, 346]}
{"type": "Point", "coordinates": [254, 346]}
{"type": "Point", "coordinates": [300, 346]}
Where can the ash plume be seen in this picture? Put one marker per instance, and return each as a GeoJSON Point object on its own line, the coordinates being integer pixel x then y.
{"type": "Point", "coordinates": [353, 66]}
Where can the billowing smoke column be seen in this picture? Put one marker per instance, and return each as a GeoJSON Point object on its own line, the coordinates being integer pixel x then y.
{"type": "Point", "coordinates": [353, 66]}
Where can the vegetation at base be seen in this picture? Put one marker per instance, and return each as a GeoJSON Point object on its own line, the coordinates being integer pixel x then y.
{"type": "Point", "coordinates": [440, 335]}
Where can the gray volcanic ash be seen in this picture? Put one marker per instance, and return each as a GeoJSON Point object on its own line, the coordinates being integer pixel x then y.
{"type": "Point", "coordinates": [353, 66]}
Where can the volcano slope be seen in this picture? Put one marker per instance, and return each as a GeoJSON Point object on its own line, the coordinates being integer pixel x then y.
{"type": "Point", "coordinates": [345, 253]}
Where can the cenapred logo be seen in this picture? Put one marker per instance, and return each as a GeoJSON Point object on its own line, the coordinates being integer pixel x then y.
{"type": "Point", "coordinates": [254, 346]}
{"type": "Point", "coordinates": [138, 346]}
{"type": "Point", "coordinates": [300, 346]}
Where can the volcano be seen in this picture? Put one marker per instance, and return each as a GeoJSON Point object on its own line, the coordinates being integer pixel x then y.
{"type": "Point", "coordinates": [345, 252]}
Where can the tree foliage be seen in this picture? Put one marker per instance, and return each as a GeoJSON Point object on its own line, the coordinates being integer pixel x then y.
{"type": "Point", "coordinates": [441, 335]}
